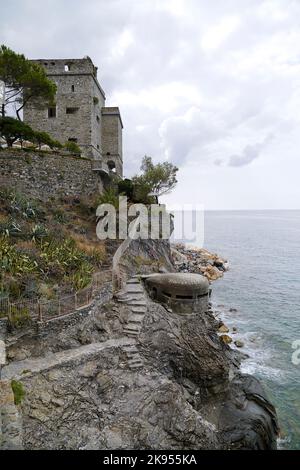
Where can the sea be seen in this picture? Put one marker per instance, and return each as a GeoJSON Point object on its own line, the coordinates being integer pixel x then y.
{"type": "Point", "coordinates": [262, 290]}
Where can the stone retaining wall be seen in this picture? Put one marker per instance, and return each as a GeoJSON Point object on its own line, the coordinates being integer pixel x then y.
{"type": "Point", "coordinates": [48, 175]}
{"type": "Point", "coordinates": [67, 321]}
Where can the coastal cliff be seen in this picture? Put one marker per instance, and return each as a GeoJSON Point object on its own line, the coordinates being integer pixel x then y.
{"type": "Point", "coordinates": [174, 385]}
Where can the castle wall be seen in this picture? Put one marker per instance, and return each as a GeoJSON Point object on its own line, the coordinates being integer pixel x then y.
{"type": "Point", "coordinates": [79, 89]}
{"type": "Point", "coordinates": [112, 138]}
{"type": "Point", "coordinates": [96, 119]}
{"type": "Point", "coordinates": [48, 175]}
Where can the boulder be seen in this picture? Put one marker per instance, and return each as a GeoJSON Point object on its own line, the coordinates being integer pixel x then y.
{"type": "Point", "coordinates": [226, 339]}
{"type": "Point", "coordinates": [223, 329]}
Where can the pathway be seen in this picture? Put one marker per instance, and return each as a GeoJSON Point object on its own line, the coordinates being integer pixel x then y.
{"type": "Point", "coordinates": [133, 296]}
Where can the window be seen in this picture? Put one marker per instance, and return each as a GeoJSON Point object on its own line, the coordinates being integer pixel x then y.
{"type": "Point", "coordinates": [52, 63]}
{"type": "Point", "coordinates": [71, 110]}
{"type": "Point", "coordinates": [184, 296]}
{"type": "Point", "coordinates": [98, 119]}
{"type": "Point", "coordinates": [73, 88]}
{"type": "Point", "coordinates": [167, 294]}
{"type": "Point", "coordinates": [72, 139]}
{"type": "Point", "coordinates": [111, 165]}
{"type": "Point", "coordinates": [200, 296]}
{"type": "Point", "coordinates": [98, 146]}
{"type": "Point", "coordinates": [46, 63]}
{"type": "Point", "coordinates": [108, 153]}
{"type": "Point", "coordinates": [67, 68]}
{"type": "Point", "coordinates": [52, 112]}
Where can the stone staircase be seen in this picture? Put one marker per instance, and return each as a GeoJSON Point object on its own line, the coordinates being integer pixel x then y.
{"type": "Point", "coordinates": [133, 296]}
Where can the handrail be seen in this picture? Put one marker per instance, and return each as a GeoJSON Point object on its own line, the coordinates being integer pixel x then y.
{"type": "Point", "coordinates": [117, 281]}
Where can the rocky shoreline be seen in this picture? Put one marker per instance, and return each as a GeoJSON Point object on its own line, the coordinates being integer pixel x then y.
{"type": "Point", "coordinates": [210, 265]}
{"type": "Point", "coordinates": [198, 260]}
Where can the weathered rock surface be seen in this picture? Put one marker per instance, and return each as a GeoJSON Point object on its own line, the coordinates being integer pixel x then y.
{"type": "Point", "coordinates": [188, 394]}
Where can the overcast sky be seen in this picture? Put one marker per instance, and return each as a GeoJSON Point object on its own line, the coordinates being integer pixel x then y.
{"type": "Point", "coordinates": [211, 85]}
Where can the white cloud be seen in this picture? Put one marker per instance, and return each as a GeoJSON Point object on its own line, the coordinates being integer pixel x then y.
{"type": "Point", "coordinates": [248, 154]}
{"type": "Point", "coordinates": [216, 35]}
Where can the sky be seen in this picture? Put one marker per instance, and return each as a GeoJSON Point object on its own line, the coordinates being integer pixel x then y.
{"type": "Point", "coordinates": [212, 86]}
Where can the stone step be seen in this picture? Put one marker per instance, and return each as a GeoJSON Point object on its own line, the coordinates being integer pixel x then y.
{"type": "Point", "coordinates": [132, 333]}
{"type": "Point", "coordinates": [130, 298]}
{"type": "Point", "coordinates": [134, 288]}
{"type": "Point", "coordinates": [137, 303]}
{"type": "Point", "coordinates": [132, 354]}
{"type": "Point", "coordinates": [138, 319]}
{"type": "Point", "coordinates": [136, 366]}
{"type": "Point", "coordinates": [133, 326]}
{"type": "Point", "coordinates": [135, 358]}
{"type": "Point", "coordinates": [133, 280]}
{"type": "Point", "coordinates": [135, 319]}
{"type": "Point", "coordinates": [139, 310]}
{"type": "Point", "coordinates": [130, 348]}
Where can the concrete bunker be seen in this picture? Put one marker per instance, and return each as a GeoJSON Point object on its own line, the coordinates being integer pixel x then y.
{"type": "Point", "coordinates": [183, 292]}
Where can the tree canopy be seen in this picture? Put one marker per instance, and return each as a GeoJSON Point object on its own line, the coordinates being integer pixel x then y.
{"type": "Point", "coordinates": [23, 80]}
{"type": "Point", "coordinates": [155, 180]}
{"type": "Point", "coordinates": [12, 130]}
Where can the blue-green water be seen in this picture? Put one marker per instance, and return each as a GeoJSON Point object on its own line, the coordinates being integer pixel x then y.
{"type": "Point", "coordinates": [263, 284]}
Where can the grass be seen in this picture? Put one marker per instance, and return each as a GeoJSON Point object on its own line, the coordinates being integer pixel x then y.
{"type": "Point", "coordinates": [18, 391]}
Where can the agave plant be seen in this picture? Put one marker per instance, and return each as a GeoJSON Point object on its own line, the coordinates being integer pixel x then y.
{"type": "Point", "coordinates": [38, 232]}
{"type": "Point", "coordinates": [10, 228]}
{"type": "Point", "coordinates": [13, 261]}
{"type": "Point", "coordinates": [81, 277]}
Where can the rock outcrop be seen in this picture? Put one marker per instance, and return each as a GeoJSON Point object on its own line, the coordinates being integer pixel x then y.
{"type": "Point", "coordinates": [88, 391]}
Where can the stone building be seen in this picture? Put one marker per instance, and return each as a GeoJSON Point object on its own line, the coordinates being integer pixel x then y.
{"type": "Point", "coordinates": [79, 113]}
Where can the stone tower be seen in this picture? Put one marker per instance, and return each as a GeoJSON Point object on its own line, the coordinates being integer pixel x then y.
{"type": "Point", "coordinates": [79, 113]}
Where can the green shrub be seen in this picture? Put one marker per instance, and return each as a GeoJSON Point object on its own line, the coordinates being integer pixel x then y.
{"type": "Point", "coordinates": [43, 138]}
{"type": "Point", "coordinates": [12, 129]}
{"type": "Point", "coordinates": [109, 196]}
{"type": "Point", "coordinates": [126, 187]}
{"type": "Point", "coordinates": [73, 148]}
{"type": "Point", "coordinates": [18, 391]}
{"type": "Point", "coordinates": [56, 145]}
